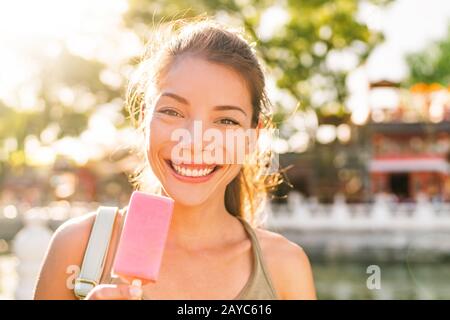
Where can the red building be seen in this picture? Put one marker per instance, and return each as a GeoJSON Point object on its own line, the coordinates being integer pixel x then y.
{"type": "Point", "coordinates": [410, 136]}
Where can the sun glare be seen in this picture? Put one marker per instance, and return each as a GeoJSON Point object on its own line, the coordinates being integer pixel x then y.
{"type": "Point", "coordinates": [33, 30]}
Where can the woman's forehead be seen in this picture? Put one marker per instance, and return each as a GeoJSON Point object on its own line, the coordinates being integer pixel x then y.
{"type": "Point", "coordinates": [201, 81]}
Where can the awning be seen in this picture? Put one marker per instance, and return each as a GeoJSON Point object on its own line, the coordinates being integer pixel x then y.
{"type": "Point", "coordinates": [409, 165]}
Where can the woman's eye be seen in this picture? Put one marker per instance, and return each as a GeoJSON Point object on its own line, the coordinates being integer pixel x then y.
{"type": "Point", "coordinates": [228, 121]}
{"type": "Point", "coordinates": [170, 112]}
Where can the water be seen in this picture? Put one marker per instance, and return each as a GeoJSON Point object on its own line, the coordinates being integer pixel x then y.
{"type": "Point", "coordinates": [412, 264]}
{"type": "Point", "coordinates": [336, 280]}
{"type": "Point", "coordinates": [348, 280]}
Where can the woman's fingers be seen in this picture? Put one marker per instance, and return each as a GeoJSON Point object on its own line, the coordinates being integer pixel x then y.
{"type": "Point", "coordinates": [115, 292]}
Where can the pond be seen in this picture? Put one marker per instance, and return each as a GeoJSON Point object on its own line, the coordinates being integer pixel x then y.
{"type": "Point", "coordinates": [336, 280]}
{"type": "Point", "coordinates": [349, 280]}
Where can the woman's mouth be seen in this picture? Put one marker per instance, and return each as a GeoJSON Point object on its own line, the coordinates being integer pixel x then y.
{"type": "Point", "coordinates": [192, 172]}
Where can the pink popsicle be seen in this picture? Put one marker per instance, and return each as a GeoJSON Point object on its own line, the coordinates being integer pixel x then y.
{"type": "Point", "coordinates": [141, 245]}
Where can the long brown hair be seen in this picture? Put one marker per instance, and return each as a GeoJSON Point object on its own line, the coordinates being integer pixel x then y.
{"type": "Point", "coordinates": [246, 195]}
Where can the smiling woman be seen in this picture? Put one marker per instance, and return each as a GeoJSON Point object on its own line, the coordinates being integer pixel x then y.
{"type": "Point", "coordinates": [183, 73]}
{"type": "Point", "coordinates": [198, 72]}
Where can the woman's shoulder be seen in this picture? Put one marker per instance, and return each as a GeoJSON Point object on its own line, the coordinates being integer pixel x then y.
{"type": "Point", "coordinates": [70, 240]}
{"type": "Point", "coordinates": [63, 258]}
{"type": "Point", "coordinates": [75, 232]}
{"type": "Point", "coordinates": [75, 229]}
{"type": "Point", "coordinates": [277, 247]}
{"type": "Point", "coordinates": [288, 265]}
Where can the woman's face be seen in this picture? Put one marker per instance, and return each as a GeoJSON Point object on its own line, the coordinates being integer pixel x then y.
{"type": "Point", "coordinates": [198, 105]}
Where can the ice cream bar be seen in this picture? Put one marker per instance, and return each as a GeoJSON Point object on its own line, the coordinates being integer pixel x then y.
{"type": "Point", "coordinates": [144, 233]}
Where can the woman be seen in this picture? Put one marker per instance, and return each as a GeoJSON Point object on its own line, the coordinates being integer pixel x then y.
{"type": "Point", "coordinates": [202, 74]}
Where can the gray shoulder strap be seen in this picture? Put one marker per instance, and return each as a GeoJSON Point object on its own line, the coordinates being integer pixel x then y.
{"type": "Point", "coordinates": [96, 251]}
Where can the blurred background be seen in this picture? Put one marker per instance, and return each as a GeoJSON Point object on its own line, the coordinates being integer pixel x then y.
{"type": "Point", "coordinates": [362, 96]}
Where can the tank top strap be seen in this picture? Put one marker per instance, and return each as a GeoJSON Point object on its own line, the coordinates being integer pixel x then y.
{"type": "Point", "coordinates": [261, 286]}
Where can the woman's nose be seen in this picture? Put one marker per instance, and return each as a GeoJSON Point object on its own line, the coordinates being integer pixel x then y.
{"type": "Point", "coordinates": [193, 140]}
{"type": "Point", "coordinates": [196, 128]}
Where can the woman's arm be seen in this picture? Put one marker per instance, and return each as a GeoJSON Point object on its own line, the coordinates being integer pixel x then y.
{"type": "Point", "coordinates": [298, 281]}
{"type": "Point", "coordinates": [288, 266]}
{"type": "Point", "coordinates": [63, 262]}
{"type": "Point", "coordinates": [63, 259]}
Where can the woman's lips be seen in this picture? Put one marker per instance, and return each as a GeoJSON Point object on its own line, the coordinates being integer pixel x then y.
{"type": "Point", "coordinates": [192, 172]}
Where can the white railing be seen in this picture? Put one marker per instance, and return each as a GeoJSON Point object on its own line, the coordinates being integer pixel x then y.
{"type": "Point", "coordinates": [385, 214]}
{"type": "Point", "coordinates": [302, 214]}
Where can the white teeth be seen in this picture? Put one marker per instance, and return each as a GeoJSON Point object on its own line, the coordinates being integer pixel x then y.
{"type": "Point", "coordinates": [192, 173]}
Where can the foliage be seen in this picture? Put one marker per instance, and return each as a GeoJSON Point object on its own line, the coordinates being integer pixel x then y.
{"type": "Point", "coordinates": [431, 65]}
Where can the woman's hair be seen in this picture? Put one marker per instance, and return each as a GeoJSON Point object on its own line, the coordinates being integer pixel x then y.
{"type": "Point", "coordinates": [246, 195]}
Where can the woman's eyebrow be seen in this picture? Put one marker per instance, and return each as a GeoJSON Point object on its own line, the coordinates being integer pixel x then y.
{"type": "Point", "coordinates": [176, 97]}
{"type": "Point", "coordinates": [226, 107]}
{"type": "Point", "coordinates": [185, 101]}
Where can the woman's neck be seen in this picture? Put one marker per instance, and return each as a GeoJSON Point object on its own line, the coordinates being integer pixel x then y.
{"type": "Point", "coordinates": [202, 226]}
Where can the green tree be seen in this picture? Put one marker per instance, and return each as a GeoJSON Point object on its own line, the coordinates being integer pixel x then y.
{"type": "Point", "coordinates": [431, 65]}
{"type": "Point", "coordinates": [297, 53]}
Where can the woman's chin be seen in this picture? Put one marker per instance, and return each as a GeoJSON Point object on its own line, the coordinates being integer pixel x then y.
{"type": "Point", "coordinates": [188, 198]}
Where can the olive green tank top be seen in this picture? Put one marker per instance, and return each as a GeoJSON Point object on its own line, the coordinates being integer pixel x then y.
{"type": "Point", "coordinates": [259, 285]}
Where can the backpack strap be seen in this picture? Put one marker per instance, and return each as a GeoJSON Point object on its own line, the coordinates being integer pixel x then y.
{"type": "Point", "coordinates": [96, 251]}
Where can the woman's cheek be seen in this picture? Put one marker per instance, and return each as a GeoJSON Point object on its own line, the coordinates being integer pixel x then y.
{"type": "Point", "coordinates": [160, 131]}
{"type": "Point", "coordinates": [234, 149]}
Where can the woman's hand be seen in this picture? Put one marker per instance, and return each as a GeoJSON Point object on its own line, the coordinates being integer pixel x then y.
{"type": "Point", "coordinates": [115, 292]}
